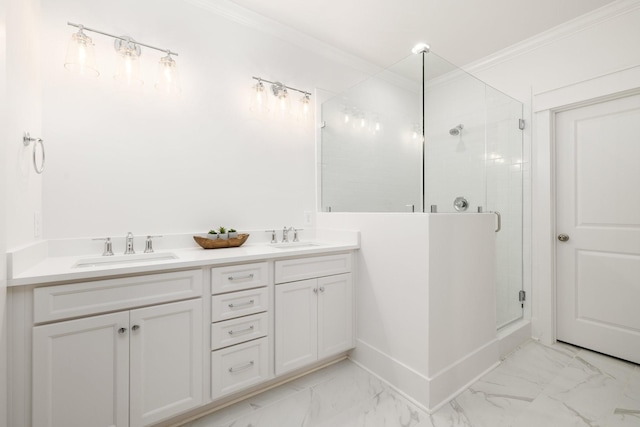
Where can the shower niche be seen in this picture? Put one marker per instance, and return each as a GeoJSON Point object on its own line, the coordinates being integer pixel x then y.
{"type": "Point", "coordinates": [421, 136]}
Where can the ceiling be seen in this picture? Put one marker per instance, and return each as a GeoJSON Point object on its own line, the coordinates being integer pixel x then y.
{"type": "Point", "coordinates": [384, 31]}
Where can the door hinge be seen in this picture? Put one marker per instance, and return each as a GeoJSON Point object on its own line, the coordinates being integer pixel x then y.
{"type": "Point", "coordinates": [521, 124]}
{"type": "Point", "coordinates": [522, 296]}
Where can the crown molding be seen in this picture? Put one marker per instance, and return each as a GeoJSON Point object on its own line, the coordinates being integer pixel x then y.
{"type": "Point", "coordinates": [566, 29]}
{"type": "Point", "coordinates": [235, 13]}
{"type": "Point", "coordinates": [253, 20]}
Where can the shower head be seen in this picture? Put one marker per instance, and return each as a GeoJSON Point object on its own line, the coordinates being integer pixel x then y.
{"type": "Point", "coordinates": [456, 130]}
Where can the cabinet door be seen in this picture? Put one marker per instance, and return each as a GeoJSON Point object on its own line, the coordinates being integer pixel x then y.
{"type": "Point", "coordinates": [166, 360]}
{"type": "Point", "coordinates": [81, 372]}
{"type": "Point", "coordinates": [335, 314]}
{"type": "Point", "coordinates": [296, 312]}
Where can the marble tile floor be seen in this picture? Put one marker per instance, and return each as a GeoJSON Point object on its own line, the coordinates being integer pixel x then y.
{"type": "Point", "coordinates": [535, 386]}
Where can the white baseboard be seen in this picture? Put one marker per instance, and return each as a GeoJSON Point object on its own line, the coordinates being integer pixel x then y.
{"type": "Point", "coordinates": [513, 336]}
{"type": "Point", "coordinates": [428, 393]}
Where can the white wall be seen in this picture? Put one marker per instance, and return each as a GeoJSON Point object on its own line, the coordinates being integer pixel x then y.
{"type": "Point", "coordinates": [24, 186]}
{"type": "Point", "coordinates": [132, 160]}
{"type": "Point", "coordinates": [20, 188]}
{"type": "Point", "coordinates": [3, 228]}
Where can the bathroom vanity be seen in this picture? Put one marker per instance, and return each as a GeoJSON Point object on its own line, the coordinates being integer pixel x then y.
{"type": "Point", "coordinates": [139, 343]}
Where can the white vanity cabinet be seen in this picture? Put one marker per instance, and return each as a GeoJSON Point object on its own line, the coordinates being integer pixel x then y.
{"type": "Point", "coordinates": [145, 347]}
{"type": "Point", "coordinates": [128, 368]}
{"type": "Point", "coordinates": [239, 328]}
{"type": "Point", "coordinates": [314, 310]}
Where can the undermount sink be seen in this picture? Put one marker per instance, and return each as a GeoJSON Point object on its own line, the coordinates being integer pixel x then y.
{"type": "Point", "coordinates": [292, 245]}
{"type": "Point", "coordinates": [124, 259]}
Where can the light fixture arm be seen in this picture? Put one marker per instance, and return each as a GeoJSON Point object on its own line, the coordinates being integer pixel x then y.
{"type": "Point", "coordinates": [125, 39]}
{"type": "Point", "coordinates": [279, 85]}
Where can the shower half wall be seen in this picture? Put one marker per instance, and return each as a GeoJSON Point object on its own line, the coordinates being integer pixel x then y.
{"type": "Point", "coordinates": [424, 133]}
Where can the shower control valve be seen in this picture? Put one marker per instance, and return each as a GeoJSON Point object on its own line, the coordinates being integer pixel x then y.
{"type": "Point", "coordinates": [460, 204]}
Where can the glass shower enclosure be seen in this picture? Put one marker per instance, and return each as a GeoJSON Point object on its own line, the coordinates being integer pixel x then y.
{"type": "Point", "coordinates": [425, 136]}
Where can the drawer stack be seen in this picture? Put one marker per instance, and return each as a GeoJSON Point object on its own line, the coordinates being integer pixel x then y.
{"type": "Point", "coordinates": [239, 329]}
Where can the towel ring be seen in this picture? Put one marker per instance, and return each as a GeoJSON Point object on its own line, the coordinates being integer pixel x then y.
{"type": "Point", "coordinates": [26, 140]}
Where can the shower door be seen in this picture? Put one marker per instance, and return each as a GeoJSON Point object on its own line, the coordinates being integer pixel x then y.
{"type": "Point", "coordinates": [473, 152]}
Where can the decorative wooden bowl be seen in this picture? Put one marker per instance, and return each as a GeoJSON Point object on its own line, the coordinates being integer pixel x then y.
{"type": "Point", "coordinates": [220, 243]}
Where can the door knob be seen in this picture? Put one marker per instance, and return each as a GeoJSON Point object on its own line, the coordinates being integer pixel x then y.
{"type": "Point", "coordinates": [563, 237]}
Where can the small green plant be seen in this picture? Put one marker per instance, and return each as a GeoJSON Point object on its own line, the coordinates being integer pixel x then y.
{"type": "Point", "coordinates": [222, 230]}
{"type": "Point", "coordinates": [232, 230]}
{"type": "Point", "coordinates": [213, 232]}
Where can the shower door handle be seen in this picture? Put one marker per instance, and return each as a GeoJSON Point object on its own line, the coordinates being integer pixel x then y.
{"type": "Point", "coordinates": [499, 226]}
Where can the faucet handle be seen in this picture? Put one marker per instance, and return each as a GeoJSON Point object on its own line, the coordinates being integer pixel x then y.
{"type": "Point", "coordinates": [108, 247]}
{"type": "Point", "coordinates": [295, 233]}
{"type": "Point", "coordinates": [273, 235]}
{"type": "Point", "coordinates": [148, 246]}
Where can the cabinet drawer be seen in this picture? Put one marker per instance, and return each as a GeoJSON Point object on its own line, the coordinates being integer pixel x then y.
{"type": "Point", "coordinates": [238, 277]}
{"type": "Point", "coordinates": [238, 367]}
{"type": "Point", "coordinates": [236, 331]}
{"type": "Point", "coordinates": [100, 296]}
{"type": "Point", "coordinates": [291, 270]}
{"type": "Point", "coordinates": [236, 304]}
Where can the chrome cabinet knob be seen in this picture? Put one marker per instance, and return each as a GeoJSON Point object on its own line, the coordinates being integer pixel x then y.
{"type": "Point", "coordinates": [135, 327]}
{"type": "Point", "coordinates": [122, 330]}
{"type": "Point", "coordinates": [563, 237]}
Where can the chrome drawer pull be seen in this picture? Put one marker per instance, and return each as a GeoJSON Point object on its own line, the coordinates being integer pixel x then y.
{"type": "Point", "coordinates": [248, 276]}
{"type": "Point", "coordinates": [250, 302]}
{"type": "Point", "coordinates": [240, 368]}
{"type": "Point", "coordinates": [242, 331]}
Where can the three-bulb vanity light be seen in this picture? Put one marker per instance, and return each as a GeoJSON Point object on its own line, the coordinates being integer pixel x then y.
{"type": "Point", "coordinates": [81, 60]}
{"type": "Point", "coordinates": [262, 103]}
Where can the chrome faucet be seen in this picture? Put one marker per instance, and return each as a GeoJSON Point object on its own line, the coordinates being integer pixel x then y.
{"type": "Point", "coordinates": [129, 244]}
{"type": "Point", "coordinates": [285, 234]}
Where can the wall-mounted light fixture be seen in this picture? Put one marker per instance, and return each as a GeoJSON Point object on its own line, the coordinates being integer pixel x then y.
{"type": "Point", "coordinates": [81, 60]}
{"type": "Point", "coordinates": [282, 106]}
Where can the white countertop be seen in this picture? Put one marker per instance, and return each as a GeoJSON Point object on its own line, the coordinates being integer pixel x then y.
{"type": "Point", "coordinates": [54, 269]}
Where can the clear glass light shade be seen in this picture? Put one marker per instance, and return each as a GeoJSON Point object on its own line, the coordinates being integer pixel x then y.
{"type": "Point", "coordinates": [259, 99]}
{"type": "Point", "coordinates": [305, 108]}
{"type": "Point", "coordinates": [80, 56]}
{"type": "Point", "coordinates": [128, 65]}
{"type": "Point", "coordinates": [283, 104]}
{"type": "Point", "coordinates": [167, 80]}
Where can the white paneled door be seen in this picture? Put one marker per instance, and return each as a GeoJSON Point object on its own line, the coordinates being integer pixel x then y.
{"type": "Point", "coordinates": [598, 226]}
